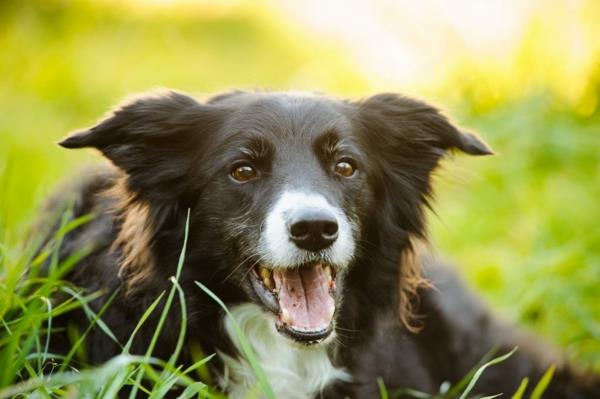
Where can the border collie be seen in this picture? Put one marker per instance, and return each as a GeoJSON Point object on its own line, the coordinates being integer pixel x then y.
{"type": "Point", "coordinates": [306, 214]}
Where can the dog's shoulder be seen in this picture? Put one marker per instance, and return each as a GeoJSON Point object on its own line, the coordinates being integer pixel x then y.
{"type": "Point", "coordinates": [78, 216]}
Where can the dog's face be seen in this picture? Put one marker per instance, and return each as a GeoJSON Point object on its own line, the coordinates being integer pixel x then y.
{"type": "Point", "coordinates": [287, 183]}
{"type": "Point", "coordinates": [283, 187]}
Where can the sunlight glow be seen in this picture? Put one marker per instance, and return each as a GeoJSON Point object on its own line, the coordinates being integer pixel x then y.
{"type": "Point", "coordinates": [518, 43]}
{"type": "Point", "coordinates": [426, 47]}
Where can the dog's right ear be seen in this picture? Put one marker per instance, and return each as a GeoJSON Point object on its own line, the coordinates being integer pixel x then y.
{"type": "Point", "coordinates": [148, 117]}
{"type": "Point", "coordinates": [153, 139]}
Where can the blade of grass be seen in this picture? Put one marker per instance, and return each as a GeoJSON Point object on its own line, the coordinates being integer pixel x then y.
{"type": "Point", "coordinates": [183, 326]}
{"type": "Point", "coordinates": [412, 393]}
{"type": "Point", "coordinates": [97, 374]}
{"type": "Point", "coordinates": [246, 347]}
{"type": "Point", "coordinates": [48, 334]}
{"type": "Point", "coordinates": [383, 393]}
{"type": "Point", "coordinates": [141, 322]}
{"type": "Point", "coordinates": [521, 389]}
{"type": "Point", "coordinates": [541, 386]}
{"type": "Point", "coordinates": [166, 383]}
{"type": "Point", "coordinates": [459, 386]}
{"type": "Point", "coordinates": [91, 315]}
{"type": "Point", "coordinates": [192, 390]}
{"type": "Point", "coordinates": [202, 372]}
{"type": "Point", "coordinates": [93, 322]}
{"type": "Point", "coordinates": [166, 308]}
{"type": "Point", "coordinates": [481, 370]}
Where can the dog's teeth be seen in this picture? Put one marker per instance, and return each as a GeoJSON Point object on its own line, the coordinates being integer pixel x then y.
{"type": "Point", "coordinates": [266, 277]}
{"type": "Point", "coordinates": [327, 270]}
{"type": "Point", "coordinates": [268, 283]}
{"type": "Point", "coordinates": [285, 317]}
{"type": "Point", "coordinates": [264, 273]}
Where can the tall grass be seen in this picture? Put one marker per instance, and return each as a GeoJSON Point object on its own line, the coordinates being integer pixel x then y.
{"type": "Point", "coordinates": [29, 303]}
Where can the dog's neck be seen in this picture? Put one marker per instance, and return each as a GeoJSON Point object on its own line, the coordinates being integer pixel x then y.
{"type": "Point", "coordinates": [292, 371]}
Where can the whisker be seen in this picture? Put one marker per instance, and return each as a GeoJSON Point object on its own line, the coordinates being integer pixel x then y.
{"type": "Point", "coordinates": [345, 329]}
{"type": "Point", "coordinates": [251, 267]}
{"type": "Point", "coordinates": [240, 264]}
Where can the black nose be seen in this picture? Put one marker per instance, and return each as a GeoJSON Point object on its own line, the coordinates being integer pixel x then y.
{"type": "Point", "coordinates": [313, 229]}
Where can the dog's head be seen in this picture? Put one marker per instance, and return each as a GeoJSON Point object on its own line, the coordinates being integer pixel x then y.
{"type": "Point", "coordinates": [287, 191]}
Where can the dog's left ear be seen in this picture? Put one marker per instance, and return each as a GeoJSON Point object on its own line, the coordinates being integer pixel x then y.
{"type": "Point", "coordinates": [410, 123]}
{"type": "Point", "coordinates": [406, 139]}
{"type": "Point", "coordinates": [154, 139]}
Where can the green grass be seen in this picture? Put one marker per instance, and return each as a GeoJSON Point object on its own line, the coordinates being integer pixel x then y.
{"type": "Point", "coordinates": [465, 386]}
{"type": "Point", "coordinates": [523, 226]}
{"type": "Point", "coordinates": [31, 370]}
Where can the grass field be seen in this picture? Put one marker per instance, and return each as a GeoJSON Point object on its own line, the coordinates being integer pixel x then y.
{"type": "Point", "coordinates": [523, 226]}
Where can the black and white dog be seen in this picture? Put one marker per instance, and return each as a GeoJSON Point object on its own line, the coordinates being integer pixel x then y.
{"type": "Point", "coordinates": [305, 216]}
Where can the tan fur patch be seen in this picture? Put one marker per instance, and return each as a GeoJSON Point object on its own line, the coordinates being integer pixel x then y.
{"type": "Point", "coordinates": [411, 281]}
{"type": "Point", "coordinates": [135, 237]}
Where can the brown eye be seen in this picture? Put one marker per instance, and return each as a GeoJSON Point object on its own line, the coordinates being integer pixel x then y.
{"type": "Point", "coordinates": [344, 168]}
{"type": "Point", "coordinates": [244, 173]}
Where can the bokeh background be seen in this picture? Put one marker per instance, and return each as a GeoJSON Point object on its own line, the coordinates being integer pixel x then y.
{"type": "Point", "coordinates": [523, 226]}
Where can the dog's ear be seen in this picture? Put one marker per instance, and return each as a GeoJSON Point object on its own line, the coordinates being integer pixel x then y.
{"type": "Point", "coordinates": [407, 138]}
{"type": "Point", "coordinates": [404, 140]}
{"type": "Point", "coordinates": [404, 121]}
{"type": "Point", "coordinates": [153, 138]}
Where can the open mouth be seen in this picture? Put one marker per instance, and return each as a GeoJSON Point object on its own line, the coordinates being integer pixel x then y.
{"type": "Point", "coordinates": [301, 298]}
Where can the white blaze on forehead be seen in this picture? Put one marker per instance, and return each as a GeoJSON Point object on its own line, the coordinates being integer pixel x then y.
{"type": "Point", "coordinates": [278, 250]}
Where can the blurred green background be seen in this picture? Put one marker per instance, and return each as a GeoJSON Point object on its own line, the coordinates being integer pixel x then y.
{"type": "Point", "coordinates": [523, 226]}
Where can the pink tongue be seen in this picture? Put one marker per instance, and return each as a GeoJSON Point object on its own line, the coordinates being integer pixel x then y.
{"type": "Point", "coordinates": [304, 298]}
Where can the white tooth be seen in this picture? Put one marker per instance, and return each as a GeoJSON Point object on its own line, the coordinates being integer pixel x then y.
{"type": "Point", "coordinates": [331, 312]}
{"type": "Point", "coordinates": [268, 283]}
{"type": "Point", "coordinates": [285, 317]}
{"type": "Point", "coordinates": [264, 273]}
{"type": "Point", "coordinates": [327, 270]}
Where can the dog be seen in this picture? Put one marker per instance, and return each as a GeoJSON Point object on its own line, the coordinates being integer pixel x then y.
{"type": "Point", "coordinates": [306, 218]}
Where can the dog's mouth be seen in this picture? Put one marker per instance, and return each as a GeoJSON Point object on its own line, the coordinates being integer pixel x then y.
{"type": "Point", "coordinates": [302, 299]}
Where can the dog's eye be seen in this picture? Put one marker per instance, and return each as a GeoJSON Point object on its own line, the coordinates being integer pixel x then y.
{"type": "Point", "coordinates": [243, 173]}
{"type": "Point", "coordinates": [345, 167]}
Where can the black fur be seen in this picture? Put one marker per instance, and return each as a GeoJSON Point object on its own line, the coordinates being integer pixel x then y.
{"type": "Point", "coordinates": [172, 153]}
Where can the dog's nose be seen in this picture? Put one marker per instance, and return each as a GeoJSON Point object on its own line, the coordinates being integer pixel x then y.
{"type": "Point", "coordinates": [313, 229]}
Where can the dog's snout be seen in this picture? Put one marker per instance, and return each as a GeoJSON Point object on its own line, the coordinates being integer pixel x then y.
{"type": "Point", "coordinates": [304, 227]}
{"type": "Point", "coordinates": [313, 229]}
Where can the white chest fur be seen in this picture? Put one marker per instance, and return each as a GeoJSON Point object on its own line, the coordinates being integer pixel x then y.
{"type": "Point", "coordinates": [293, 372]}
